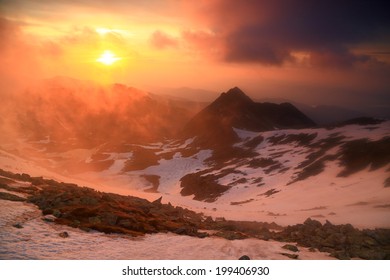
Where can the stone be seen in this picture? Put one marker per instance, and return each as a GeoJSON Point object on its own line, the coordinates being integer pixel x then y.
{"type": "Point", "coordinates": [17, 225]}
{"type": "Point", "coordinates": [11, 197]}
{"type": "Point", "coordinates": [290, 247]}
{"type": "Point", "coordinates": [202, 234]}
{"type": "Point", "coordinates": [341, 255]}
{"type": "Point", "coordinates": [312, 223]}
{"type": "Point", "coordinates": [64, 234]}
{"type": "Point", "coordinates": [94, 220]}
{"type": "Point", "coordinates": [56, 213]}
{"type": "Point", "coordinates": [231, 235]}
{"type": "Point", "coordinates": [158, 201]}
{"type": "Point", "coordinates": [49, 218]}
{"type": "Point", "coordinates": [110, 218]}
{"type": "Point", "coordinates": [291, 256]}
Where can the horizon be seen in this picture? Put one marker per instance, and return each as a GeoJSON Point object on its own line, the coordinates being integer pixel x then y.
{"type": "Point", "coordinates": [214, 45]}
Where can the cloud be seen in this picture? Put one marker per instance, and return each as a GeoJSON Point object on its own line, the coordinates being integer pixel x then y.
{"type": "Point", "coordinates": [270, 32]}
{"type": "Point", "coordinates": [19, 59]}
{"type": "Point", "coordinates": [161, 40]}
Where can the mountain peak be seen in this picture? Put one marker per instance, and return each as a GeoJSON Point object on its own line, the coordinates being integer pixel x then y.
{"type": "Point", "coordinates": [236, 91]}
{"type": "Point", "coordinates": [234, 109]}
{"type": "Point", "coordinates": [234, 95]}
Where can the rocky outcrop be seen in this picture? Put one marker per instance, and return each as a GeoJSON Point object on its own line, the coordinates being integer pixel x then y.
{"type": "Point", "coordinates": [341, 241]}
{"type": "Point", "coordinates": [11, 197]}
{"type": "Point", "coordinates": [87, 209]}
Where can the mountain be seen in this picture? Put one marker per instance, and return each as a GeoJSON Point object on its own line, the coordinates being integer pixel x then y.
{"type": "Point", "coordinates": [330, 114]}
{"type": "Point", "coordinates": [236, 158]}
{"type": "Point", "coordinates": [327, 114]}
{"type": "Point", "coordinates": [338, 173]}
{"type": "Point", "coordinates": [234, 109]}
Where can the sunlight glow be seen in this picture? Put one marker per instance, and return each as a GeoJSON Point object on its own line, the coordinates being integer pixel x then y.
{"type": "Point", "coordinates": [102, 31]}
{"type": "Point", "coordinates": [108, 58]}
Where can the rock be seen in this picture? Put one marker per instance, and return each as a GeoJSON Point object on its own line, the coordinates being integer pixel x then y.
{"type": "Point", "coordinates": [157, 201]}
{"type": "Point", "coordinates": [56, 213]}
{"type": "Point", "coordinates": [341, 255]}
{"type": "Point", "coordinates": [348, 228]}
{"type": "Point", "coordinates": [202, 234]}
{"type": "Point", "coordinates": [94, 220]}
{"type": "Point", "coordinates": [110, 218]}
{"type": "Point", "coordinates": [312, 223]}
{"type": "Point", "coordinates": [181, 231]}
{"type": "Point", "coordinates": [370, 242]}
{"type": "Point", "coordinates": [75, 223]}
{"type": "Point", "coordinates": [335, 240]}
{"type": "Point", "coordinates": [370, 254]}
{"type": "Point", "coordinates": [17, 225]}
{"type": "Point", "coordinates": [264, 234]}
{"type": "Point", "coordinates": [244, 257]}
{"type": "Point", "coordinates": [291, 256]}
{"type": "Point", "coordinates": [231, 235]}
{"type": "Point", "coordinates": [11, 197]}
{"type": "Point", "coordinates": [49, 218]}
{"type": "Point", "coordinates": [290, 248]}
{"type": "Point", "coordinates": [64, 234]}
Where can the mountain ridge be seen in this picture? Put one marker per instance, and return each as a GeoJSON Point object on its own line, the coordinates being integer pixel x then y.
{"type": "Point", "coordinates": [234, 109]}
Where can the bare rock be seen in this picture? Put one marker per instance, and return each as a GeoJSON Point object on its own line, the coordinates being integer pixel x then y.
{"type": "Point", "coordinates": [64, 234]}
{"type": "Point", "coordinates": [290, 247]}
{"type": "Point", "coordinates": [49, 218]}
{"type": "Point", "coordinates": [291, 256]}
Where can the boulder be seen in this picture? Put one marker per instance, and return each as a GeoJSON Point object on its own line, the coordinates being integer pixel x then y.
{"type": "Point", "coordinates": [290, 247]}
{"type": "Point", "coordinates": [291, 256]}
{"type": "Point", "coordinates": [64, 234]}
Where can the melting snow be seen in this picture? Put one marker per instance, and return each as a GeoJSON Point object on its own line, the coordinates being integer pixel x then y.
{"type": "Point", "coordinates": [39, 239]}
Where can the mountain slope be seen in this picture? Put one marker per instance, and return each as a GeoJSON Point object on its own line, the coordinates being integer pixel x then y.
{"type": "Point", "coordinates": [340, 174]}
{"type": "Point", "coordinates": [214, 124]}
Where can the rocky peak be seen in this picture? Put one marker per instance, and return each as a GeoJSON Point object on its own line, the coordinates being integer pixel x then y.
{"type": "Point", "coordinates": [233, 96]}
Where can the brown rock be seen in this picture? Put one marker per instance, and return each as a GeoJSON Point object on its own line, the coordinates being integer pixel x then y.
{"type": "Point", "coordinates": [64, 234]}
{"type": "Point", "coordinates": [290, 248]}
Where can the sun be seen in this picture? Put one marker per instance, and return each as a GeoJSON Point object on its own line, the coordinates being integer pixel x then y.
{"type": "Point", "coordinates": [108, 58]}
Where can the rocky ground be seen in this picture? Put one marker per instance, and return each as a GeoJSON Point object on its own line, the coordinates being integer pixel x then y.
{"type": "Point", "coordinates": [87, 209]}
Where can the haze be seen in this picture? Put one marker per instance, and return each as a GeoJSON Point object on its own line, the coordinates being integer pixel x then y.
{"type": "Point", "coordinates": [326, 53]}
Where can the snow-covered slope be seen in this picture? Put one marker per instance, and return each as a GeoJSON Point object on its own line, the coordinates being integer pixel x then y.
{"type": "Point", "coordinates": [338, 174]}
{"type": "Point", "coordinates": [40, 239]}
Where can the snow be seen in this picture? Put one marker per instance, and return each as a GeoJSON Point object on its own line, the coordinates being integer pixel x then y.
{"type": "Point", "coordinates": [39, 239]}
{"type": "Point", "coordinates": [171, 171]}
{"type": "Point", "coordinates": [359, 199]}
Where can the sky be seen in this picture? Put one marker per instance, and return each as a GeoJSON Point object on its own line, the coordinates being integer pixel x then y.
{"type": "Point", "coordinates": [317, 52]}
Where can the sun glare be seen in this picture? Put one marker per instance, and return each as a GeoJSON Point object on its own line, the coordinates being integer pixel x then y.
{"type": "Point", "coordinates": [102, 31]}
{"type": "Point", "coordinates": [108, 58]}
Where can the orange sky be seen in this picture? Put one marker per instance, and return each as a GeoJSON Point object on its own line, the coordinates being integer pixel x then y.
{"type": "Point", "coordinates": [269, 49]}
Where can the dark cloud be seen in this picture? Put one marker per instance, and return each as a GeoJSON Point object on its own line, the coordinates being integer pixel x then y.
{"type": "Point", "coordinates": [270, 32]}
